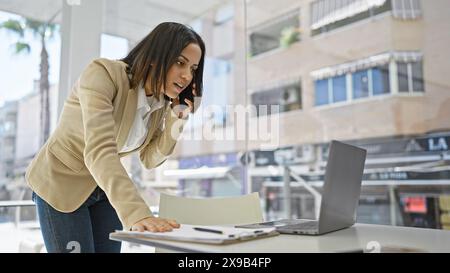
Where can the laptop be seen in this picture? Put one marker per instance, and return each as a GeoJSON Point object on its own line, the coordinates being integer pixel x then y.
{"type": "Point", "coordinates": [340, 196]}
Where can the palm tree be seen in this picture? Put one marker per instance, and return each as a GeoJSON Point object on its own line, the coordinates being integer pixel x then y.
{"type": "Point", "coordinates": [44, 31]}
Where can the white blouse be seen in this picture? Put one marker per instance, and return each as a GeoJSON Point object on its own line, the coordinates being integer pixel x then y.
{"type": "Point", "coordinates": [138, 132]}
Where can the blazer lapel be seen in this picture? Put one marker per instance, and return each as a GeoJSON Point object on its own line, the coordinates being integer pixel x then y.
{"type": "Point", "coordinates": [156, 120]}
{"type": "Point", "coordinates": [128, 115]}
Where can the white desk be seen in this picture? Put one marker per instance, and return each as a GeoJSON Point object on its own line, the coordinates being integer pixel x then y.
{"type": "Point", "coordinates": [362, 237]}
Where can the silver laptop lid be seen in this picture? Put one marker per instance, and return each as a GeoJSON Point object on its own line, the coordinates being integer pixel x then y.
{"type": "Point", "coordinates": [342, 186]}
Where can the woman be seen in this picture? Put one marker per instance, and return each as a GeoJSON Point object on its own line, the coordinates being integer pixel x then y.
{"type": "Point", "coordinates": [81, 190]}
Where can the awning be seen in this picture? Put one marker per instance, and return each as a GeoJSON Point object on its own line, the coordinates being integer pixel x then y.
{"type": "Point", "coordinates": [406, 10]}
{"type": "Point", "coordinates": [372, 61]}
{"type": "Point", "coordinates": [325, 12]}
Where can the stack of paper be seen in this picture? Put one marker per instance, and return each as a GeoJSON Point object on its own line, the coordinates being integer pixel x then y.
{"type": "Point", "coordinates": [205, 234]}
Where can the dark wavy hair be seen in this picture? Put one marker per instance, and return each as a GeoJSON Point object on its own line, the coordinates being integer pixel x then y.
{"type": "Point", "coordinates": [158, 51]}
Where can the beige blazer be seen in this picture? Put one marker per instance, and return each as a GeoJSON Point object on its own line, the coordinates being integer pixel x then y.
{"type": "Point", "coordinates": [82, 152]}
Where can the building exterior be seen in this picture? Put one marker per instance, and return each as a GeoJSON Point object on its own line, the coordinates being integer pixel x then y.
{"type": "Point", "coordinates": [407, 92]}
{"type": "Point", "coordinates": [371, 73]}
{"type": "Point", "coordinates": [8, 125]}
{"type": "Point", "coordinates": [28, 127]}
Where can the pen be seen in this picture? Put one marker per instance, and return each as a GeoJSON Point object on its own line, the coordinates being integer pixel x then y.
{"type": "Point", "coordinates": [208, 230]}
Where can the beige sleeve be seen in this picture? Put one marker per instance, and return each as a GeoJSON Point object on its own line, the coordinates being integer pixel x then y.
{"type": "Point", "coordinates": [163, 141]}
{"type": "Point", "coordinates": [96, 92]}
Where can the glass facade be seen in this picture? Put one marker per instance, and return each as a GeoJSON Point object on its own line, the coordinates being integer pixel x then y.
{"type": "Point", "coordinates": [380, 80]}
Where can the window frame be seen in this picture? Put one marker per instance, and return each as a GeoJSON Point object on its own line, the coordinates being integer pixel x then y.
{"type": "Point", "coordinates": [393, 84]}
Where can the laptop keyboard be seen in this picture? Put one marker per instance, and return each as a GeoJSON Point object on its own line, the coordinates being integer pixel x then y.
{"type": "Point", "coordinates": [304, 225]}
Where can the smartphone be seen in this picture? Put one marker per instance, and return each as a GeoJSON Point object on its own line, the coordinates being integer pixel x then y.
{"type": "Point", "coordinates": [187, 94]}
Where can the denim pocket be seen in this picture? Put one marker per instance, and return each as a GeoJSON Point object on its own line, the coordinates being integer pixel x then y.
{"type": "Point", "coordinates": [33, 196]}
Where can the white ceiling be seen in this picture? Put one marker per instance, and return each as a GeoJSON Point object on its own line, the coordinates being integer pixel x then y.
{"type": "Point", "coordinates": [130, 19]}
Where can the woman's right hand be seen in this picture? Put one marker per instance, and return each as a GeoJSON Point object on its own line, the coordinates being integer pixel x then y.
{"type": "Point", "coordinates": [155, 224]}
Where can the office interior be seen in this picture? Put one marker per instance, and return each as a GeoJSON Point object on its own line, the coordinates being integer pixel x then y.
{"type": "Point", "coordinates": [282, 79]}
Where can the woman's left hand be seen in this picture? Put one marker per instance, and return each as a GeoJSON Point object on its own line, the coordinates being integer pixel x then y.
{"type": "Point", "coordinates": [155, 224]}
{"type": "Point", "coordinates": [181, 110]}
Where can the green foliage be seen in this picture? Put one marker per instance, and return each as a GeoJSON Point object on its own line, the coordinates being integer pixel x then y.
{"type": "Point", "coordinates": [289, 35]}
{"type": "Point", "coordinates": [22, 47]}
{"type": "Point", "coordinates": [42, 30]}
{"type": "Point", "coordinates": [13, 26]}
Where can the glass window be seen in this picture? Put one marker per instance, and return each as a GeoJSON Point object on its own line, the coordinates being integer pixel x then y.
{"type": "Point", "coordinates": [224, 14]}
{"type": "Point", "coordinates": [407, 5]}
{"type": "Point", "coordinates": [417, 77]}
{"type": "Point", "coordinates": [360, 84]}
{"type": "Point", "coordinates": [372, 123]}
{"type": "Point", "coordinates": [272, 35]}
{"type": "Point", "coordinates": [287, 97]}
{"type": "Point", "coordinates": [9, 126]}
{"type": "Point", "coordinates": [291, 98]}
{"type": "Point", "coordinates": [402, 71]}
{"type": "Point", "coordinates": [380, 80]}
{"type": "Point", "coordinates": [339, 89]}
{"type": "Point", "coordinates": [321, 88]}
{"type": "Point", "coordinates": [113, 47]}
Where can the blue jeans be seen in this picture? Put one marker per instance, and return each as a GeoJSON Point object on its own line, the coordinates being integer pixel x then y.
{"type": "Point", "coordinates": [86, 230]}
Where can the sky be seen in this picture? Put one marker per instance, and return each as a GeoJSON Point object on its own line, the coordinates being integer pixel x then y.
{"type": "Point", "coordinates": [17, 72]}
